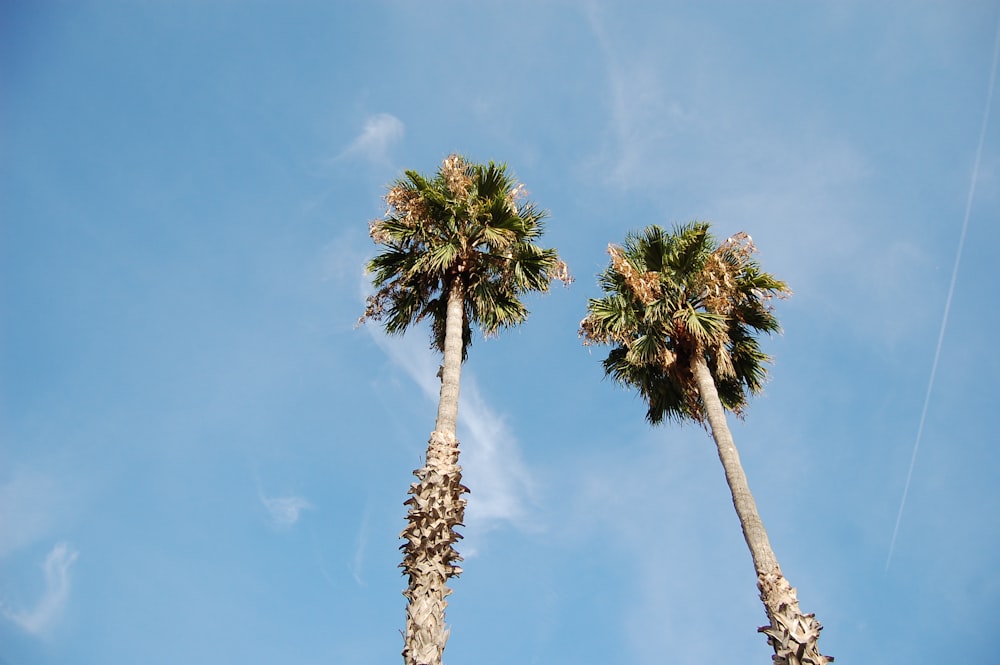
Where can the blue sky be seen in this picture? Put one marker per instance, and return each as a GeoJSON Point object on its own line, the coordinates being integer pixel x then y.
{"type": "Point", "coordinates": [203, 460]}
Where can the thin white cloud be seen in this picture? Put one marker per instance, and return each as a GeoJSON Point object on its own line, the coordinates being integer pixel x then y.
{"type": "Point", "coordinates": [360, 547]}
{"type": "Point", "coordinates": [642, 115]}
{"type": "Point", "coordinates": [285, 511]}
{"type": "Point", "coordinates": [491, 460]}
{"type": "Point", "coordinates": [381, 131]}
{"type": "Point", "coordinates": [680, 118]}
{"type": "Point", "coordinates": [57, 587]}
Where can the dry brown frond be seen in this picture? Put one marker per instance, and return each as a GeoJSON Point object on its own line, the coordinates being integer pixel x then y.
{"type": "Point", "coordinates": [378, 232]}
{"type": "Point", "coordinates": [561, 272]}
{"type": "Point", "coordinates": [724, 361]}
{"type": "Point", "coordinates": [720, 272]}
{"type": "Point", "coordinates": [518, 192]}
{"type": "Point", "coordinates": [592, 335]}
{"type": "Point", "coordinates": [589, 335]}
{"type": "Point", "coordinates": [718, 284]}
{"type": "Point", "coordinates": [374, 307]}
{"type": "Point", "coordinates": [408, 203]}
{"type": "Point", "coordinates": [645, 286]}
{"type": "Point", "coordinates": [456, 175]}
{"type": "Point", "coordinates": [740, 244]}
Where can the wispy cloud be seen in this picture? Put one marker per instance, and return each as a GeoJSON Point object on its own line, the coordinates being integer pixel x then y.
{"type": "Point", "coordinates": [491, 459]}
{"type": "Point", "coordinates": [360, 547]}
{"type": "Point", "coordinates": [492, 462]}
{"type": "Point", "coordinates": [380, 132]}
{"type": "Point", "coordinates": [680, 120]}
{"type": "Point", "coordinates": [284, 511]}
{"type": "Point", "coordinates": [57, 587]}
{"type": "Point", "coordinates": [642, 115]}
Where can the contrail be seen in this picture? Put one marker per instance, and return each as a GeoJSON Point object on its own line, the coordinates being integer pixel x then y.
{"type": "Point", "coordinates": [951, 293]}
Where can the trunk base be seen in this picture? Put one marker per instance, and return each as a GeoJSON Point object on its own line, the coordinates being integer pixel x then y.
{"type": "Point", "coordinates": [436, 507]}
{"type": "Point", "coordinates": [794, 636]}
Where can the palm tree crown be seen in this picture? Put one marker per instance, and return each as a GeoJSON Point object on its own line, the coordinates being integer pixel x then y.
{"type": "Point", "coordinates": [469, 224]}
{"type": "Point", "coordinates": [674, 296]}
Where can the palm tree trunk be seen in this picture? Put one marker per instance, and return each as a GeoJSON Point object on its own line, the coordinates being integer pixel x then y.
{"type": "Point", "coordinates": [794, 636]}
{"type": "Point", "coordinates": [436, 508]}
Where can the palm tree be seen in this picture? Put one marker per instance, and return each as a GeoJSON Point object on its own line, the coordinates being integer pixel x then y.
{"type": "Point", "coordinates": [457, 249]}
{"type": "Point", "coordinates": [681, 313]}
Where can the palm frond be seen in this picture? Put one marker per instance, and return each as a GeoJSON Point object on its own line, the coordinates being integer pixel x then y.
{"type": "Point", "coordinates": [491, 181]}
{"type": "Point", "coordinates": [609, 320]}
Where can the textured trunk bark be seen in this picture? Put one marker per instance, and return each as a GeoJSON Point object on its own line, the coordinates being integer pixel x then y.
{"type": "Point", "coordinates": [793, 635]}
{"type": "Point", "coordinates": [436, 508]}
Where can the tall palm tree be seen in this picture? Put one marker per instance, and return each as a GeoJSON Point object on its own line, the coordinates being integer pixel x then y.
{"type": "Point", "coordinates": [457, 249]}
{"type": "Point", "coordinates": [681, 313]}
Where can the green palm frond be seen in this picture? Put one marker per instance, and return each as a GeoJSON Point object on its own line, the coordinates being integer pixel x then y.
{"type": "Point", "coordinates": [495, 308]}
{"type": "Point", "coordinates": [667, 393]}
{"type": "Point", "coordinates": [645, 350]}
{"type": "Point", "coordinates": [673, 296]}
{"type": "Point", "coordinates": [704, 328]}
{"type": "Point", "coordinates": [685, 251]}
{"type": "Point", "coordinates": [610, 320]}
{"type": "Point", "coordinates": [436, 259]}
